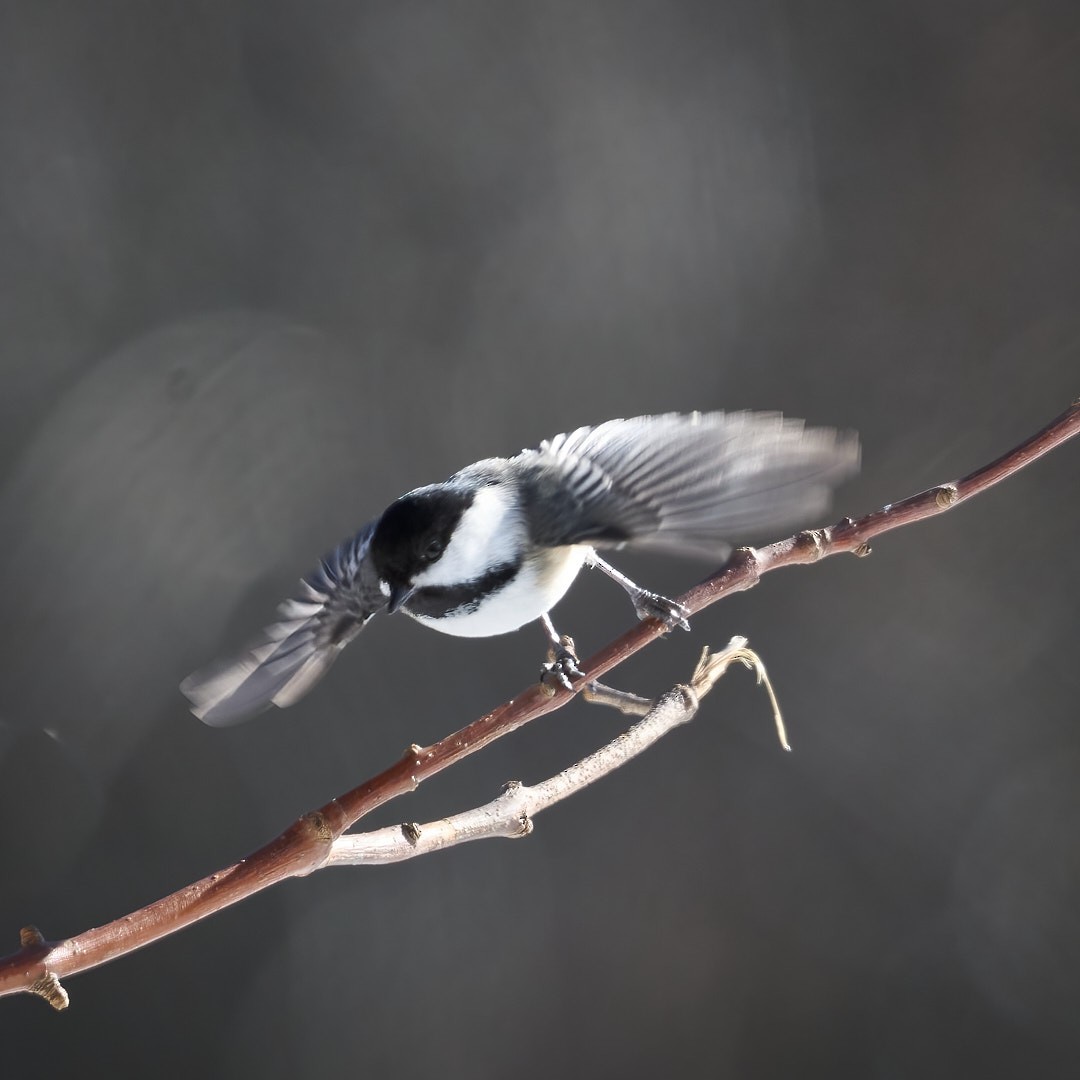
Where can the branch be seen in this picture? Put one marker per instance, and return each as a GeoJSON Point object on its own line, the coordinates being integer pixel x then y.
{"type": "Point", "coordinates": [511, 814]}
{"type": "Point", "coordinates": [306, 845]}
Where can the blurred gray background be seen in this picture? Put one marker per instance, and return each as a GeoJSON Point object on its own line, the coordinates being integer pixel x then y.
{"type": "Point", "coordinates": [267, 265]}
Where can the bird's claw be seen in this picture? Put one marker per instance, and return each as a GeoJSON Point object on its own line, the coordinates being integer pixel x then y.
{"type": "Point", "coordinates": [562, 667]}
{"type": "Point", "coordinates": [650, 605]}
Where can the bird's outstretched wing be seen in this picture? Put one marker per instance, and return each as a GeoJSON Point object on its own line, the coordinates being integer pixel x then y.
{"type": "Point", "coordinates": [683, 482]}
{"type": "Point", "coordinates": [334, 604]}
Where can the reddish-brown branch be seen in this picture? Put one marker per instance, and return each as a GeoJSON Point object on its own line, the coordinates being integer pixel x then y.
{"type": "Point", "coordinates": [303, 847]}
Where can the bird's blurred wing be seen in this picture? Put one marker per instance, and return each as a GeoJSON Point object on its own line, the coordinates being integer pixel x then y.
{"type": "Point", "coordinates": [334, 603]}
{"type": "Point", "coordinates": [683, 482]}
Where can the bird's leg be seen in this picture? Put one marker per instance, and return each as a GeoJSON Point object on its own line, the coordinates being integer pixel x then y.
{"type": "Point", "coordinates": [563, 663]}
{"type": "Point", "coordinates": [563, 666]}
{"type": "Point", "coordinates": [648, 605]}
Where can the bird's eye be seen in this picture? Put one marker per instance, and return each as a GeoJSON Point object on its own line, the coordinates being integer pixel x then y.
{"type": "Point", "coordinates": [434, 549]}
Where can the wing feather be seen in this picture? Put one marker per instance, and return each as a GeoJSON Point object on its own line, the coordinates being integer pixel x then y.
{"type": "Point", "coordinates": [683, 482]}
{"type": "Point", "coordinates": [333, 605]}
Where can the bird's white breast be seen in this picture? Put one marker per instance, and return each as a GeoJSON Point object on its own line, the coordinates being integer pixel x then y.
{"type": "Point", "coordinates": [538, 586]}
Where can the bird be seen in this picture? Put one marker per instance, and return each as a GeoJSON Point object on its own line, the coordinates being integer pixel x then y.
{"type": "Point", "coordinates": [500, 542]}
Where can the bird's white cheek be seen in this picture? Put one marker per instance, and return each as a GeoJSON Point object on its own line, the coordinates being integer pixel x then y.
{"type": "Point", "coordinates": [490, 533]}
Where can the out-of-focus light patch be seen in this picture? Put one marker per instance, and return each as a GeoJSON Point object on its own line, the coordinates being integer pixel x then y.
{"type": "Point", "coordinates": [51, 802]}
{"type": "Point", "coordinates": [161, 489]}
{"type": "Point", "coordinates": [1016, 891]}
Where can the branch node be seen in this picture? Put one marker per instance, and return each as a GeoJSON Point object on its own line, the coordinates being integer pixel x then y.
{"type": "Point", "coordinates": [48, 987]}
{"type": "Point", "coordinates": [946, 495]}
{"type": "Point", "coordinates": [411, 831]}
{"type": "Point", "coordinates": [862, 550]}
{"type": "Point", "coordinates": [30, 936]}
{"type": "Point", "coordinates": [319, 826]}
{"type": "Point", "coordinates": [812, 541]}
{"type": "Point", "coordinates": [512, 790]}
{"type": "Point", "coordinates": [746, 560]}
{"type": "Point", "coordinates": [689, 696]}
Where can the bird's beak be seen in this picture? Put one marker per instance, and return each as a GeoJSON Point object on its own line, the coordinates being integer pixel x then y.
{"type": "Point", "coordinates": [398, 595]}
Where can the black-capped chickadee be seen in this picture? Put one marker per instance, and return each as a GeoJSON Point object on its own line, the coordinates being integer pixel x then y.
{"type": "Point", "coordinates": [499, 543]}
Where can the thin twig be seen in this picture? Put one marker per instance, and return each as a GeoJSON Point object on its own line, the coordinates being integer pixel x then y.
{"type": "Point", "coordinates": [511, 814]}
{"type": "Point", "coordinates": [305, 846]}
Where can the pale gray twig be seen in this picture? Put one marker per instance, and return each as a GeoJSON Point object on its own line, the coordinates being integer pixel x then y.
{"type": "Point", "coordinates": [511, 814]}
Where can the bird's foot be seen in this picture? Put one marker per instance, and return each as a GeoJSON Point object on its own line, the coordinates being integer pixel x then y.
{"type": "Point", "coordinates": [562, 666]}
{"type": "Point", "coordinates": [650, 605]}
